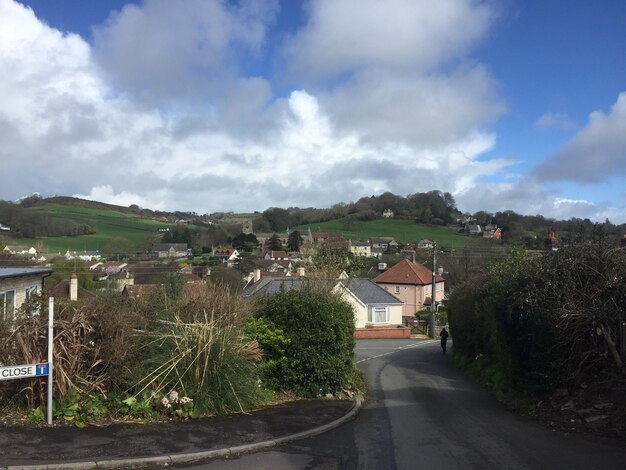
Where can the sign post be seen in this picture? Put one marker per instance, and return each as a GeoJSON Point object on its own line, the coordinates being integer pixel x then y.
{"type": "Point", "coordinates": [50, 351]}
{"type": "Point", "coordinates": [36, 370]}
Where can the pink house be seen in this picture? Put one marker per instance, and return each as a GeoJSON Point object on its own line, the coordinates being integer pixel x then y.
{"type": "Point", "coordinates": [411, 283]}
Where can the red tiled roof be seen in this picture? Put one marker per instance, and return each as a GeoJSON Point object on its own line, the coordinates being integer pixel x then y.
{"type": "Point", "coordinates": [406, 272]}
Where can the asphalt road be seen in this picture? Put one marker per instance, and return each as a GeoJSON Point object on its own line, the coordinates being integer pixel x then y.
{"type": "Point", "coordinates": [421, 413]}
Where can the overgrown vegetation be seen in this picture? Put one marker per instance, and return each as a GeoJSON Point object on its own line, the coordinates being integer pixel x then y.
{"type": "Point", "coordinates": [179, 352]}
{"type": "Point", "coordinates": [167, 354]}
{"type": "Point", "coordinates": [532, 325]}
{"type": "Point", "coordinates": [307, 336]}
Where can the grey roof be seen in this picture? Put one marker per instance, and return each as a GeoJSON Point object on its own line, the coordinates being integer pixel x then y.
{"type": "Point", "coordinates": [275, 285]}
{"type": "Point", "coordinates": [364, 289]}
{"type": "Point", "coordinates": [20, 272]}
{"type": "Point", "coordinates": [369, 293]}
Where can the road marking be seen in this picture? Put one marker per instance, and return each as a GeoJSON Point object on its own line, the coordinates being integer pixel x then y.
{"type": "Point", "coordinates": [408, 346]}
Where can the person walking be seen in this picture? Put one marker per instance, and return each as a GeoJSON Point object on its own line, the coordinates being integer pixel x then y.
{"type": "Point", "coordinates": [444, 339]}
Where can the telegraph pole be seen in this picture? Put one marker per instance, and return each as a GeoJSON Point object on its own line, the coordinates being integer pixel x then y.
{"type": "Point", "coordinates": [432, 293]}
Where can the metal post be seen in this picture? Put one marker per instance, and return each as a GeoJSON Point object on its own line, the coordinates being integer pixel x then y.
{"type": "Point", "coordinates": [432, 293]}
{"type": "Point", "coordinates": [50, 351]}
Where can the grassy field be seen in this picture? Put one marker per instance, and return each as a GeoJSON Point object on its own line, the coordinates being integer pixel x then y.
{"type": "Point", "coordinates": [403, 231]}
{"type": "Point", "coordinates": [109, 223]}
{"type": "Point", "coordinates": [106, 223]}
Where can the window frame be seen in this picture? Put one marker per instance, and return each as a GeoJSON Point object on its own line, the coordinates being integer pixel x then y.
{"type": "Point", "coordinates": [397, 291]}
{"type": "Point", "coordinates": [3, 304]}
{"type": "Point", "coordinates": [372, 314]}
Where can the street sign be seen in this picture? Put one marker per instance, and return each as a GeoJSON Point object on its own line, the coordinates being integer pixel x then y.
{"type": "Point", "coordinates": [23, 372]}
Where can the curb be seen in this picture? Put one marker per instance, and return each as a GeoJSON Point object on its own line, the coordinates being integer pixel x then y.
{"type": "Point", "coordinates": [194, 457]}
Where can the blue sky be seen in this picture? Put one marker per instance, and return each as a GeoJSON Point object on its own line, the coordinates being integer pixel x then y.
{"type": "Point", "coordinates": [243, 105]}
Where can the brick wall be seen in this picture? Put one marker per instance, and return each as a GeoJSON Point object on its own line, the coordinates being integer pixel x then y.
{"type": "Point", "coordinates": [382, 333]}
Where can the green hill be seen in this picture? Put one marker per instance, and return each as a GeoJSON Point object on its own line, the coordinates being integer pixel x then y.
{"type": "Point", "coordinates": [404, 231]}
{"type": "Point", "coordinates": [108, 222]}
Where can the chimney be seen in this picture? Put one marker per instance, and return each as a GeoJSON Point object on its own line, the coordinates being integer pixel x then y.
{"type": "Point", "coordinates": [73, 287]}
{"type": "Point", "coordinates": [257, 274]}
{"type": "Point", "coordinates": [301, 272]}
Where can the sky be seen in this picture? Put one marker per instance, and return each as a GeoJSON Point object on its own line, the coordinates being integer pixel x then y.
{"type": "Point", "coordinates": [242, 105]}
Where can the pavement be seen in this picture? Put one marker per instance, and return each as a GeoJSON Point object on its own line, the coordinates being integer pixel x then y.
{"type": "Point", "coordinates": [172, 442]}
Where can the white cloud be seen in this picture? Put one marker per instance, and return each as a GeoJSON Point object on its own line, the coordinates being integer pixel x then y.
{"type": "Point", "coordinates": [398, 70]}
{"type": "Point", "coordinates": [401, 35]}
{"type": "Point", "coordinates": [528, 197]}
{"type": "Point", "coordinates": [555, 121]}
{"type": "Point", "coordinates": [164, 51]}
{"type": "Point", "coordinates": [596, 153]}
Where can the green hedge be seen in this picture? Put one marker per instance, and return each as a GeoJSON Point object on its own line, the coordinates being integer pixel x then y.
{"type": "Point", "coordinates": [316, 355]}
{"type": "Point", "coordinates": [544, 322]}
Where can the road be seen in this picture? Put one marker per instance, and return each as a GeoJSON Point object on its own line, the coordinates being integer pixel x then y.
{"type": "Point", "coordinates": [421, 413]}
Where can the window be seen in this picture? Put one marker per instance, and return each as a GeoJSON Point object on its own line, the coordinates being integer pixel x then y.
{"type": "Point", "coordinates": [397, 289]}
{"type": "Point", "coordinates": [378, 315]}
{"type": "Point", "coordinates": [7, 304]}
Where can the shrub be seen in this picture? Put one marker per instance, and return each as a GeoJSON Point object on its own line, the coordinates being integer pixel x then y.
{"type": "Point", "coordinates": [198, 347]}
{"type": "Point", "coordinates": [319, 326]}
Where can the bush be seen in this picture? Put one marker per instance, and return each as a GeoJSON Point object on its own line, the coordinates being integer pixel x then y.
{"type": "Point", "coordinates": [545, 322]}
{"type": "Point", "coordinates": [186, 341]}
{"type": "Point", "coordinates": [319, 328]}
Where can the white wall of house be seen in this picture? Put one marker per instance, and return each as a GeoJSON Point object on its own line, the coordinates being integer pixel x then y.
{"type": "Point", "coordinates": [14, 291]}
{"type": "Point", "coordinates": [362, 316]}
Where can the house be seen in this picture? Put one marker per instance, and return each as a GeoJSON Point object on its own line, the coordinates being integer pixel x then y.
{"type": "Point", "coordinates": [46, 257]}
{"type": "Point", "coordinates": [388, 214]}
{"type": "Point", "coordinates": [4, 228]}
{"type": "Point", "coordinates": [329, 238]}
{"type": "Point", "coordinates": [426, 244]}
{"type": "Point", "coordinates": [473, 230]}
{"type": "Point", "coordinates": [104, 270]}
{"type": "Point", "coordinates": [20, 250]}
{"type": "Point", "coordinates": [17, 285]}
{"type": "Point", "coordinates": [384, 243]}
{"type": "Point", "coordinates": [226, 255]}
{"type": "Point", "coordinates": [492, 233]}
{"type": "Point", "coordinates": [275, 255]}
{"type": "Point", "coordinates": [69, 289]}
{"type": "Point", "coordinates": [360, 248]}
{"type": "Point", "coordinates": [377, 314]}
{"type": "Point", "coordinates": [263, 237]}
{"type": "Point", "coordinates": [173, 250]}
{"type": "Point", "coordinates": [411, 283]}
{"type": "Point", "coordinates": [272, 266]}
{"type": "Point", "coordinates": [83, 255]}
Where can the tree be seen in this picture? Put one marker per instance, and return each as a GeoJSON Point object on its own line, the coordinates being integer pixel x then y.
{"type": "Point", "coordinates": [295, 241]}
{"type": "Point", "coordinates": [274, 243]}
{"type": "Point", "coordinates": [119, 246]}
{"type": "Point", "coordinates": [245, 241]}
{"type": "Point", "coordinates": [278, 219]}
{"type": "Point", "coordinates": [63, 268]}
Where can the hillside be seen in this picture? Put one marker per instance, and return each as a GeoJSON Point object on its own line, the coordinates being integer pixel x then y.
{"type": "Point", "coordinates": [107, 221]}
{"type": "Point", "coordinates": [404, 231]}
